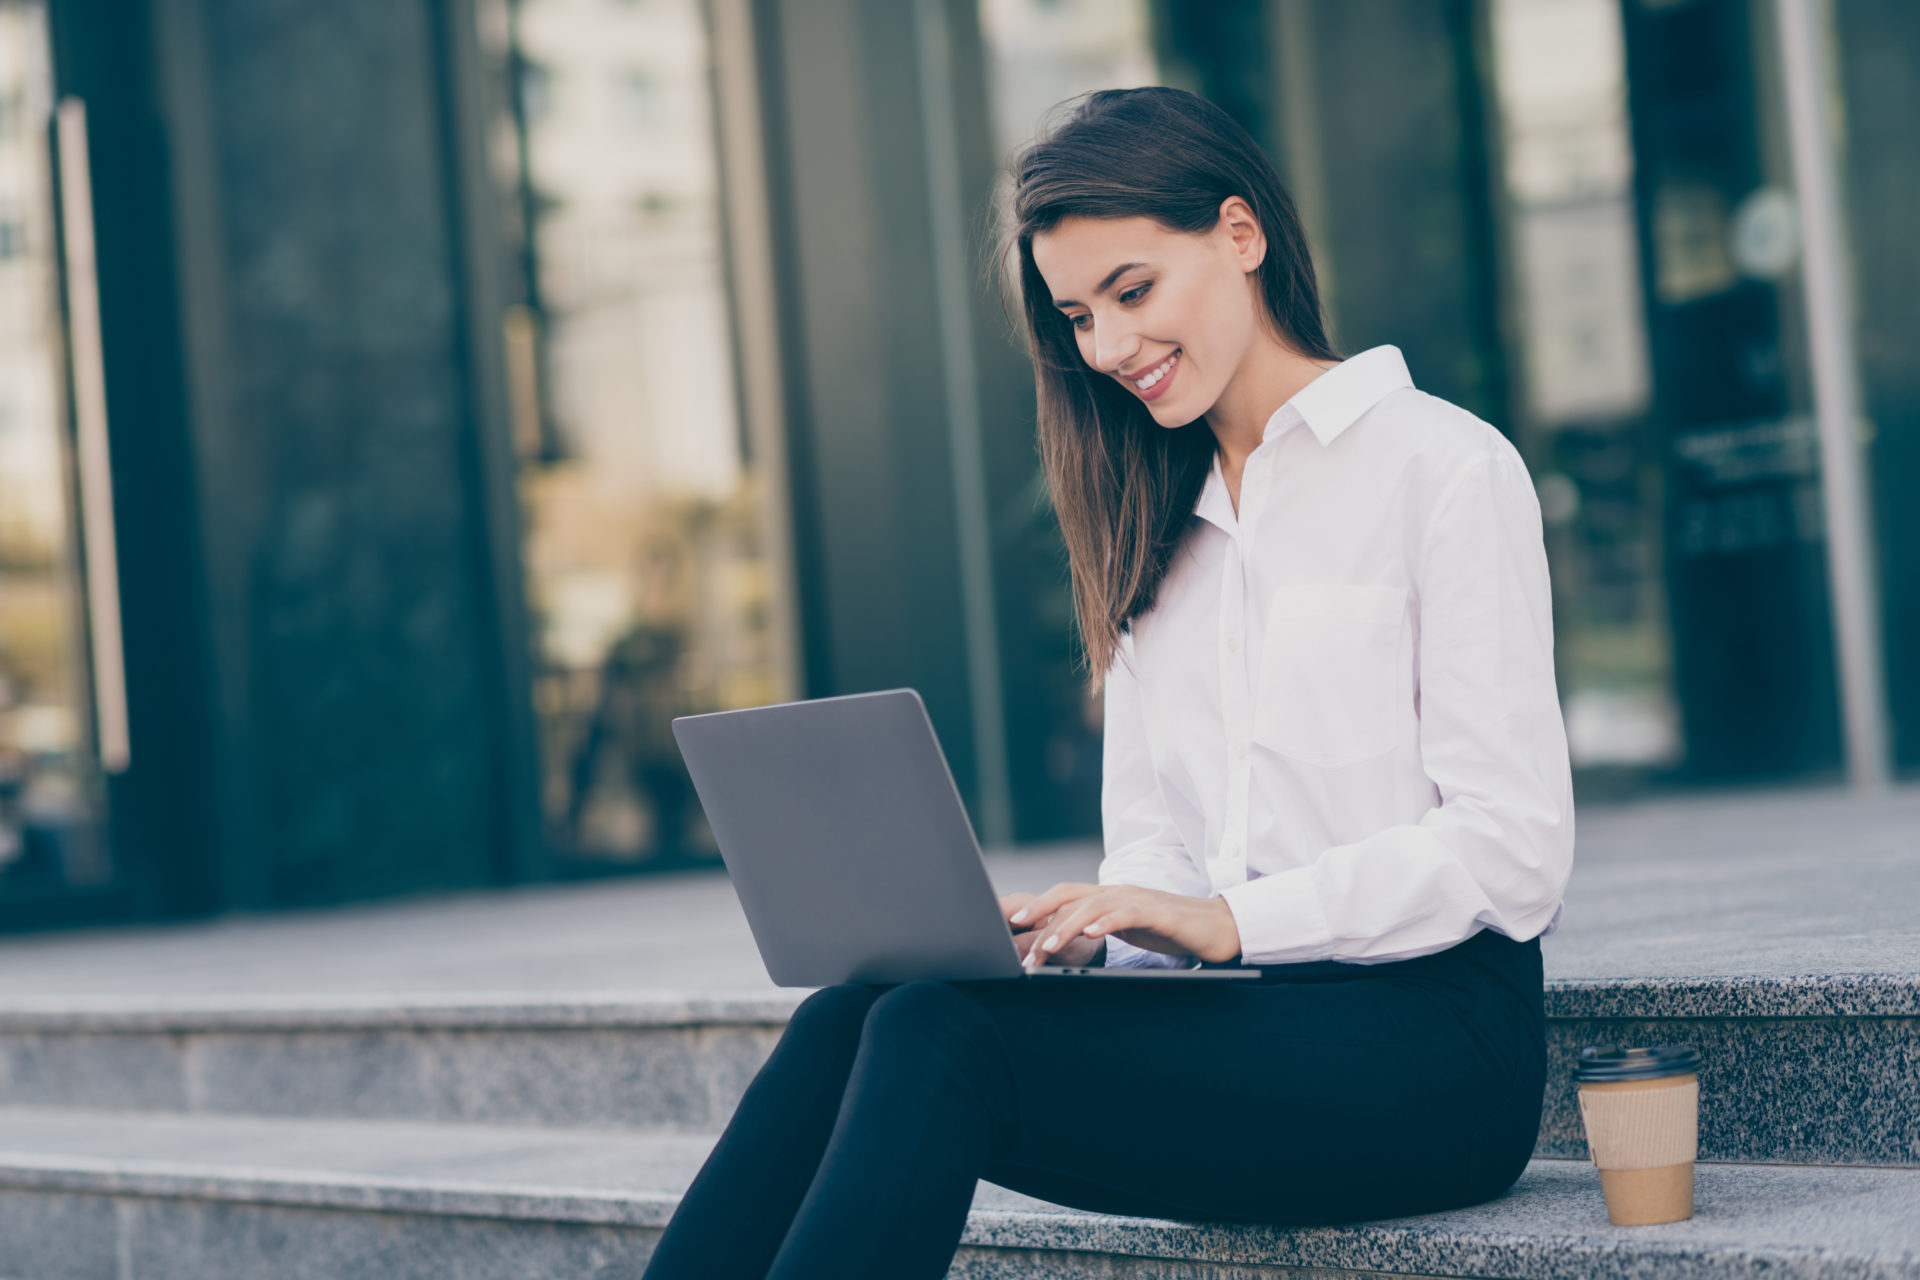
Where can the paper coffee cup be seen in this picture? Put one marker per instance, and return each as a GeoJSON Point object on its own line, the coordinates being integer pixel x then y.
{"type": "Point", "coordinates": [1641, 1109]}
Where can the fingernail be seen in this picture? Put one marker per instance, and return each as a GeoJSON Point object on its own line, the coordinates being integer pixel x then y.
{"type": "Point", "coordinates": [1020, 916]}
{"type": "Point", "coordinates": [1052, 942]}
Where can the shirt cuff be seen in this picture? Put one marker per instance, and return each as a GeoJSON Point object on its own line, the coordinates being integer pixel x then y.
{"type": "Point", "coordinates": [1280, 918]}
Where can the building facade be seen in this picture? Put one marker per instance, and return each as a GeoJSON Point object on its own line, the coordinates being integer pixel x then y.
{"type": "Point", "coordinates": [406, 409]}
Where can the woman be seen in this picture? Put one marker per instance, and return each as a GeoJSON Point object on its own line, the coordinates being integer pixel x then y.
{"type": "Point", "coordinates": [1318, 602]}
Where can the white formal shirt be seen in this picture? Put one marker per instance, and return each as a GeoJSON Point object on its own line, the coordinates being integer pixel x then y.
{"type": "Point", "coordinates": [1340, 715]}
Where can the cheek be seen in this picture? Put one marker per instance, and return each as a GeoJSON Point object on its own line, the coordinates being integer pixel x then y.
{"type": "Point", "coordinates": [1224, 323]}
{"type": "Point", "coordinates": [1190, 317]}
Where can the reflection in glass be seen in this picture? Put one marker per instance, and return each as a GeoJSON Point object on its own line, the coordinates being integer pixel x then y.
{"type": "Point", "coordinates": [1561, 95]}
{"type": "Point", "coordinates": [50, 787]}
{"type": "Point", "coordinates": [1042, 52]}
{"type": "Point", "coordinates": [1745, 560]}
{"type": "Point", "coordinates": [645, 555]}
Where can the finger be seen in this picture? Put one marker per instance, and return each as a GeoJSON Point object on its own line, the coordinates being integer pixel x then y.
{"type": "Point", "coordinates": [1094, 917]}
{"type": "Point", "coordinates": [1123, 914]}
{"type": "Point", "coordinates": [1052, 900]}
{"type": "Point", "coordinates": [1075, 950]}
{"type": "Point", "coordinates": [1042, 905]}
{"type": "Point", "coordinates": [1068, 924]}
{"type": "Point", "coordinates": [1034, 908]}
{"type": "Point", "coordinates": [1121, 907]}
{"type": "Point", "coordinates": [1012, 902]}
{"type": "Point", "coordinates": [1055, 924]}
{"type": "Point", "coordinates": [1138, 928]}
{"type": "Point", "coordinates": [1035, 932]}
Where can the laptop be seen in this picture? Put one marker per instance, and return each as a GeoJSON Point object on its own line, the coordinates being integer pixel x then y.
{"type": "Point", "coordinates": [851, 853]}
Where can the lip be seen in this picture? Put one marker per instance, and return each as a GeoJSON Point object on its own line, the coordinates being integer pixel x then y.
{"type": "Point", "coordinates": [1159, 388]}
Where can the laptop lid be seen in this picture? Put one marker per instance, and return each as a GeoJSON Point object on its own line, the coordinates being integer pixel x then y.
{"type": "Point", "coordinates": [846, 841]}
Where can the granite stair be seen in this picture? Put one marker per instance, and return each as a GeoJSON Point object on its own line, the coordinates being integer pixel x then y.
{"type": "Point", "coordinates": [96, 1194]}
{"type": "Point", "coordinates": [1802, 1071]}
{"type": "Point", "coordinates": [554, 1138]}
{"type": "Point", "coordinates": [156, 1122]}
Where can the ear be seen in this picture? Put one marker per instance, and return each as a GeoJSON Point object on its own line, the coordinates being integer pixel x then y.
{"type": "Point", "coordinates": [1248, 243]}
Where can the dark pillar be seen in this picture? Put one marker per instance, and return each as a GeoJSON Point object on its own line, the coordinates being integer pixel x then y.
{"type": "Point", "coordinates": [878, 525]}
{"type": "Point", "coordinates": [1746, 568]}
{"type": "Point", "coordinates": [1374, 112]}
{"type": "Point", "coordinates": [352, 525]}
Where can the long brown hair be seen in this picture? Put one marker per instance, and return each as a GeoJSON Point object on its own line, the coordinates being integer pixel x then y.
{"type": "Point", "coordinates": [1123, 486]}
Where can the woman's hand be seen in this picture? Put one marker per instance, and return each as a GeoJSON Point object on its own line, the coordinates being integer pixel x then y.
{"type": "Point", "coordinates": [1068, 915]}
{"type": "Point", "coordinates": [1081, 951]}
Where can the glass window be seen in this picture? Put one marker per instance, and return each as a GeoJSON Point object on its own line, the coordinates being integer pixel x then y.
{"type": "Point", "coordinates": [646, 562]}
{"type": "Point", "coordinates": [1567, 199]}
{"type": "Point", "coordinates": [1744, 549]}
{"type": "Point", "coordinates": [1041, 52]}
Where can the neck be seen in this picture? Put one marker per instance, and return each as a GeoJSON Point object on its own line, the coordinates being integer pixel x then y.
{"type": "Point", "coordinates": [1270, 376]}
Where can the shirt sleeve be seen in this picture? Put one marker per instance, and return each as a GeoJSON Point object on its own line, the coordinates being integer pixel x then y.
{"type": "Point", "coordinates": [1142, 846]}
{"type": "Point", "coordinates": [1498, 849]}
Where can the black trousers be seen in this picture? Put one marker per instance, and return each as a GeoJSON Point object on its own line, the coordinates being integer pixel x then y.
{"type": "Point", "coordinates": [1325, 1093]}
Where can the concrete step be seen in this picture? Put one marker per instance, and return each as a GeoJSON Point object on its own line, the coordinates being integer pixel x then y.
{"type": "Point", "coordinates": [89, 1195]}
{"type": "Point", "coordinates": [658, 1063]}
{"type": "Point", "coordinates": [1804, 1070]}
{"type": "Point", "coordinates": [1808, 1070]}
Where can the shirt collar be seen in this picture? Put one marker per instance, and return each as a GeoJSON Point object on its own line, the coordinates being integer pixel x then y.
{"type": "Point", "coordinates": [1214, 505]}
{"type": "Point", "coordinates": [1335, 400]}
{"type": "Point", "coordinates": [1329, 405]}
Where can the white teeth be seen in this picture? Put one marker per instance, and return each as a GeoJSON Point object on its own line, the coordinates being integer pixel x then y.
{"type": "Point", "coordinates": [1157, 374]}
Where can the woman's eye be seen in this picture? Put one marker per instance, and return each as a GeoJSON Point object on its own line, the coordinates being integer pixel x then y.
{"type": "Point", "coordinates": [1129, 297]}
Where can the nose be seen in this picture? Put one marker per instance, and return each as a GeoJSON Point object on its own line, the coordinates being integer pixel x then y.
{"type": "Point", "coordinates": [1114, 343]}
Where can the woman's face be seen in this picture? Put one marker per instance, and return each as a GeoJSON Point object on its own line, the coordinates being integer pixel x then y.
{"type": "Point", "coordinates": [1167, 314]}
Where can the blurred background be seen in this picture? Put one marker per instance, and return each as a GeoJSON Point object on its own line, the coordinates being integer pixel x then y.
{"type": "Point", "coordinates": [407, 407]}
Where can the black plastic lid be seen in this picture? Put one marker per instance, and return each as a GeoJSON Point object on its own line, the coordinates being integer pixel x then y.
{"type": "Point", "coordinates": [1600, 1063]}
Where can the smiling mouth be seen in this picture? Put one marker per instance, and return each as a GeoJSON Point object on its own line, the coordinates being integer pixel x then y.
{"type": "Point", "coordinates": [1158, 374]}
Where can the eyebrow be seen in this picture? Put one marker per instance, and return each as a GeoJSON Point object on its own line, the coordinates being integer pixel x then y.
{"type": "Point", "coordinates": [1106, 284]}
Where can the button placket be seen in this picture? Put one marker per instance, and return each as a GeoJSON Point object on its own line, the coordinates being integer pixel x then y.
{"type": "Point", "coordinates": [1230, 863]}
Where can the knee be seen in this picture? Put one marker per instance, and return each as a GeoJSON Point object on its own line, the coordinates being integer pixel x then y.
{"type": "Point", "coordinates": [912, 1009]}
{"type": "Point", "coordinates": [922, 1019]}
{"type": "Point", "coordinates": [932, 1033]}
{"type": "Point", "coordinates": [831, 1010]}
{"type": "Point", "coordinates": [1509, 1146]}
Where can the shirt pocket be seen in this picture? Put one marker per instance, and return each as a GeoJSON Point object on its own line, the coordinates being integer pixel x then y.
{"type": "Point", "coordinates": [1329, 674]}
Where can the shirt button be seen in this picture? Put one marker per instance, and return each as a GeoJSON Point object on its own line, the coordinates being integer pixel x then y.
{"type": "Point", "coordinates": [1239, 751]}
{"type": "Point", "coordinates": [1233, 644]}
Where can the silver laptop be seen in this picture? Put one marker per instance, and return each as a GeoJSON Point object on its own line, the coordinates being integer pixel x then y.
{"type": "Point", "coordinates": [853, 857]}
